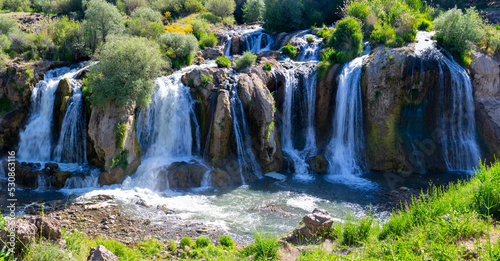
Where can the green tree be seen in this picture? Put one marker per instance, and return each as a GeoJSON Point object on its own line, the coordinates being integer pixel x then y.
{"type": "Point", "coordinates": [181, 48]}
{"type": "Point", "coordinates": [126, 71]}
{"type": "Point", "coordinates": [347, 39]}
{"type": "Point", "coordinates": [146, 22]}
{"type": "Point", "coordinates": [253, 10]}
{"type": "Point", "coordinates": [222, 8]}
{"type": "Point", "coordinates": [282, 15]}
{"type": "Point", "coordinates": [102, 19]}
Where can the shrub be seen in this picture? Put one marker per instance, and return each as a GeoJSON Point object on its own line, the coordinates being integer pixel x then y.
{"type": "Point", "coordinates": [328, 54]}
{"type": "Point", "coordinates": [146, 23]}
{"type": "Point", "coordinates": [223, 62]}
{"type": "Point", "coordinates": [246, 60]}
{"type": "Point", "coordinates": [200, 27]}
{"type": "Point", "coordinates": [383, 33]}
{"type": "Point", "coordinates": [253, 10]}
{"type": "Point", "coordinates": [122, 251]}
{"type": "Point", "coordinates": [17, 5]}
{"type": "Point", "coordinates": [359, 10]}
{"type": "Point", "coordinates": [425, 25]}
{"type": "Point", "coordinates": [265, 247]}
{"type": "Point", "coordinates": [458, 31]}
{"type": "Point", "coordinates": [131, 5]}
{"type": "Point", "coordinates": [102, 18]}
{"type": "Point", "coordinates": [67, 34]}
{"type": "Point", "coordinates": [347, 38]}
{"type": "Point", "coordinates": [3, 68]}
{"type": "Point", "coordinates": [222, 8]}
{"type": "Point", "coordinates": [7, 25]}
{"type": "Point", "coordinates": [267, 67]}
{"type": "Point", "coordinates": [323, 33]}
{"type": "Point", "coordinates": [490, 42]}
{"type": "Point", "coordinates": [41, 6]}
{"type": "Point", "coordinates": [21, 41]}
{"type": "Point", "coordinates": [290, 51]}
{"type": "Point", "coordinates": [179, 47]}
{"type": "Point", "coordinates": [129, 81]}
{"type": "Point", "coordinates": [172, 245]}
{"type": "Point", "coordinates": [208, 40]}
{"type": "Point", "coordinates": [310, 39]}
{"type": "Point", "coordinates": [4, 42]}
{"type": "Point", "coordinates": [226, 241]}
{"type": "Point", "coordinates": [282, 15]}
{"type": "Point", "coordinates": [65, 6]}
{"type": "Point", "coordinates": [202, 242]}
{"type": "Point", "coordinates": [186, 241]}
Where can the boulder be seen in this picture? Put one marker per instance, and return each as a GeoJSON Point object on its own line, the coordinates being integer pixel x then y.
{"type": "Point", "coordinates": [236, 45]}
{"type": "Point", "coordinates": [326, 93]}
{"type": "Point", "coordinates": [25, 231]}
{"type": "Point", "coordinates": [61, 97]}
{"type": "Point", "coordinates": [220, 178]}
{"type": "Point", "coordinates": [100, 253]}
{"type": "Point", "coordinates": [312, 228]}
{"type": "Point", "coordinates": [58, 179]}
{"type": "Point", "coordinates": [10, 126]}
{"type": "Point", "coordinates": [211, 53]}
{"type": "Point", "coordinates": [181, 175]}
{"type": "Point", "coordinates": [485, 73]}
{"type": "Point", "coordinates": [258, 104]}
{"type": "Point", "coordinates": [222, 127]}
{"type": "Point", "coordinates": [318, 164]}
{"type": "Point", "coordinates": [103, 149]}
{"type": "Point", "coordinates": [47, 227]}
{"type": "Point", "coordinates": [26, 176]}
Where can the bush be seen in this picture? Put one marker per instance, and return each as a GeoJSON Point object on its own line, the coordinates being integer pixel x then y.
{"type": "Point", "coordinates": [383, 33]}
{"type": "Point", "coordinates": [222, 8]}
{"type": "Point", "coordinates": [200, 27]}
{"type": "Point", "coordinates": [310, 39]}
{"type": "Point", "coordinates": [347, 39]}
{"type": "Point", "coordinates": [131, 5]}
{"type": "Point", "coordinates": [491, 40]}
{"type": "Point", "coordinates": [172, 245]}
{"type": "Point", "coordinates": [65, 6]}
{"type": "Point", "coordinates": [324, 33]}
{"type": "Point", "coordinates": [267, 67]}
{"type": "Point", "coordinates": [17, 5]}
{"type": "Point", "coordinates": [425, 25]}
{"type": "Point", "coordinates": [359, 10]}
{"type": "Point", "coordinates": [102, 19]}
{"type": "Point", "coordinates": [181, 48]}
{"type": "Point", "coordinates": [265, 247]}
{"type": "Point", "coordinates": [223, 62]}
{"type": "Point", "coordinates": [41, 6]}
{"type": "Point", "coordinates": [21, 41]}
{"type": "Point", "coordinates": [202, 242]}
{"type": "Point", "coordinates": [186, 241]}
{"type": "Point", "coordinates": [458, 31]}
{"type": "Point", "coordinates": [3, 68]}
{"type": "Point", "coordinates": [253, 10]}
{"type": "Point", "coordinates": [282, 15]}
{"type": "Point", "coordinates": [328, 54]}
{"type": "Point", "coordinates": [290, 51]}
{"type": "Point", "coordinates": [146, 23]}
{"type": "Point", "coordinates": [7, 25]}
{"type": "Point", "coordinates": [208, 40]}
{"type": "Point", "coordinates": [246, 60]}
{"type": "Point", "coordinates": [129, 81]}
{"type": "Point", "coordinates": [4, 42]}
{"type": "Point", "coordinates": [226, 241]}
{"type": "Point", "coordinates": [67, 35]}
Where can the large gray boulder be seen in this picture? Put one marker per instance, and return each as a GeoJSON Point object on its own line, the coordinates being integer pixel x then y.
{"type": "Point", "coordinates": [100, 253]}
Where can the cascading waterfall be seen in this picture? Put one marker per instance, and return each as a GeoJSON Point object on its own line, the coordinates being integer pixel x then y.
{"type": "Point", "coordinates": [71, 146]}
{"type": "Point", "coordinates": [36, 138]}
{"type": "Point", "coordinates": [258, 41]}
{"type": "Point", "coordinates": [167, 131]}
{"type": "Point", "coordinates": [227, 45]}
{"type": "Point", "coordinates": [246, 158]}
{"type": "Point", "coordinates": [345, 151]}
{"type": "Point", "coordinates": [456, 111]}
{"type": "Point", "coordinates": [298, 117]}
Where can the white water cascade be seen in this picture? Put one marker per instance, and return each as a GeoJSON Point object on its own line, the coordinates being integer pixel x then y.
{"type": "Point", "coordinates": [456, 111]}
{"type": "Point", "coordinates": [71, 146]}
{"type": "Point", "coordinates": [167, 131]}
{"type": "Point", "coordinates": [345, 151]}
{"type": "Point", "coordinates": [246, 158]}
{"type": "Point", "coordinates": [255, 40]}
{"type": "Point", "coordinates": [35, 143]}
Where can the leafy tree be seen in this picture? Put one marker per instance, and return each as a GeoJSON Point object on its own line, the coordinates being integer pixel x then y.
{"type": "Point", "coordinates": [102, 19]}
{"type": "Point", "coordinates": [253, 10]}
{"type": "Point", "coordinates": [282, 15]}
{"type": "Point", "coordinates": [145, 22]}
{"type": "Point", "coordinates": [222, 8]}
{"type": "Point", "coordinates": [126, 71]}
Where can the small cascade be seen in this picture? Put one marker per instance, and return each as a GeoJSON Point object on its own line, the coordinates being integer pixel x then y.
{"type": "Point", "coordinates": [35, 143]}
{"type": "Point", "coordinates": [207, 179]}
{"type": "Point", "coordinates": [455, 109]}
{"type": "Point", "coordinates": [258, 41]}
{"type": "Point", "coordinates": [71, 146]}
{"type": "Point", "coordinates": [227, 45]}
{"type": "Point", "coordinates": [345, 151]}
{"type": "Point", "coordinates": [246, 158]}
{"type": "Point", "coordinates": [42, 182]}
{"type": "Point", "coordinates": [167, 131]}
{"type": "Point", "coordinates": [309, 50]}
{"type": "Point", "coordinates": [83, 181]}
{"type": "Point", "coordinates": [298, 135]}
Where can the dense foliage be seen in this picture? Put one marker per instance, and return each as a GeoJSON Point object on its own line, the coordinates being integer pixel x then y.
{"type": "Point", "coordinates": [223, 62]}
{"type": "Point", "coordinates": [145, 22]}
{"type": "Point", "coordinates": [246, 60]}
{"type": "Point", "coordinates": [222, 8]}
{"type": "Point", "coordinates": [347, 39]}
{"type": "Point", "coordinates": [290, 51]}
{"type": "Point", "coordinates": [125, 73]}
{"type": "Point", "coordinates": [179, 47]}
{"type": "Point", "coordinates": [102, 19]}
{"type": "Point", "coordinates": [253, 10]}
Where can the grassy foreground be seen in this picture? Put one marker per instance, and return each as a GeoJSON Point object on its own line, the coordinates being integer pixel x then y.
{"type": "Point", "coordinates": [454, 223]}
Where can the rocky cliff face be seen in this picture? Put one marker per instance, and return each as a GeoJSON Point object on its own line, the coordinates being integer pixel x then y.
{"type": "Point", "coordinates": [326, 92]}
{"type": "Point", "coordinates": [62, 95]}
{"type": "Point", "coordinates": [485, 72]}
{"type": "Point", "coordinates": [117, 160]}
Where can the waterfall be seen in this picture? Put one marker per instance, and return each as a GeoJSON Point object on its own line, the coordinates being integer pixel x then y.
{"type": "Point", "coordinates": [71, 146]}
{"type": "Point", "coordinates": [298, 135]}
{"type": "Point", "coordinates": [258, 41]}
{"type": "Point", "coordinates": [456, 122]}
{"type": "Point", "coordinates": [167, 130]}
{"type": "Point", "coordinates": [35, 143]}
{"type": "Point", "coordinates": [309, 50]}
{"type": "Point", "coordinates": [227, 45]}
{"type": "Point", "coordinates": [345, 151]}
{"type": "Point", "coordinates": [246, 158]}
